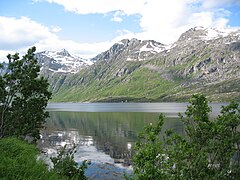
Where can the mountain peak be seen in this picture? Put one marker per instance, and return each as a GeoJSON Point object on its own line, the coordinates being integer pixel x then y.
{"type": "Point", "coordinates": [202, 33]}
{"type": "Point", "coordinates": [63, 52]}
{"type": "Point", "coordinates": [61, 61]}
{"type": "Point", "coordinates": [128, 41]}
{"type": "Point", "coordinates": [52, 53]}
{"type": "Point", "coordinates": [131, 50]}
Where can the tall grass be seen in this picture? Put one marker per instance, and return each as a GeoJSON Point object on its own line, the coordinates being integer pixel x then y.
{"type": "Point", "coordinates": [18, 160]}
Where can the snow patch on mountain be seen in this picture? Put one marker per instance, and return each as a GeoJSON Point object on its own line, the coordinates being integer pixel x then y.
{"type": "Point", "coordinates": [154, 48]}
{"type": "Point", "coordinates": [62, 61]}
{"type": "Point", "coordinates": [214, 33]}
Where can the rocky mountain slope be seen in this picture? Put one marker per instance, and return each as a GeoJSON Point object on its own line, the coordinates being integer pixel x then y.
{"type": "Point", "coordinates": [201, 61]}
{"type": "Point", "coordinates": [61, 61]}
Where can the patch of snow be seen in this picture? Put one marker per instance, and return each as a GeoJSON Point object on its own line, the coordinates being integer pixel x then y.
{"type": "Point", "coordinates": [145, 48]}
{"type": "Point", "coordinates": [199, 28]}
{"type": "Point", "coordinates": [141, 59]}
{"type": "Point", "coordinates": [154, 48]}
{"type": "Point", "coordinates": [157, 48]}
{"type": "Point", "coordinates": [62, 70]}
{"type": "Point", "coordinates": [52, 70]}
{"type": "Point", "coordinates": [213, 33]}
{"type": "Point", "coordinates": [129, 59]}
{"type": "Point", "coordinates": [72, 64]}
{"type": "Point", "coordinates": [170, 46]}
{"type": "Point", "coordinates": [87, 61]}
{"type": "Point", "coordinates": [120, 42]}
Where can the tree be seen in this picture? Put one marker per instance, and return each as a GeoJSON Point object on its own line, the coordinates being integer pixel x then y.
{"type": "Point", "coordinates": [209, 149]}
{"type": "Point", "coordinates": [23, 97]}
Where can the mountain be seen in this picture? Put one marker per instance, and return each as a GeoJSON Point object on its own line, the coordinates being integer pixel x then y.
{"type": "Point", "coordinates": [202, 60]}
{"type": "Point", "coordinates": [131, 50]}
{"type": "Point", "coordinates": [61, 62]}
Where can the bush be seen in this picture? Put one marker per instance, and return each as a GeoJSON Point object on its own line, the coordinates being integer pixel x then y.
{"type": "Point", "coordinates": [209, 149]}
{"type": "Point", "coordinates": [65, 165]}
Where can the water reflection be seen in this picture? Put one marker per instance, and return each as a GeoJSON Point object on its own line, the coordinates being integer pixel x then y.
{"type": "Point", "coordinates": [99, 134]}
{"type": "Point", "coordinates": [105, 133]}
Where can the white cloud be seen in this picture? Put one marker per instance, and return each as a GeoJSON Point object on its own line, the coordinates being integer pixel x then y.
{"type": "Point", "coordinates": [17, 35]}
{"type": "Point", "coordinates": [21, 32]}
{"type": "Point", "coordinates": [117, 19]}
{"type": "Point", "coordinates": [85, 50]}
{"type": "Point", "coordinates": [117, 16]}
{"type": "Point", "coordinates": [159, 19]}
{"type": "Point", "coordinates": [55, 29]}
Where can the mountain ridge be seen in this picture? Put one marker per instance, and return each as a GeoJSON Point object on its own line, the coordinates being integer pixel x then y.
{"type": "Point", "coordinates": [61, 61]}
{"type": "Point", "coordinates": [202, 60]}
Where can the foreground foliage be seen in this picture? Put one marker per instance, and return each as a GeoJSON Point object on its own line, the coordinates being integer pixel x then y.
{"type": "Point", "coordinates": [23, 99]}
{"type": "Point", "coordinates": [19, 161]}
{"type": "Point", "coordinates": [64, 164]}
{"type": "Point", "coordinates": [209, 149]}
{"type": "Point", "coordinates": [23, 96]}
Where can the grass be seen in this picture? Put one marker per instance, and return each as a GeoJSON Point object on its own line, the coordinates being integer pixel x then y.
{"type": "Point", "coordinates": [19, 161]}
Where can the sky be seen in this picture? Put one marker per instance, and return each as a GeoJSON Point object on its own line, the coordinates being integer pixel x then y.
{"type": "Point", "coordinates": [89, 27]}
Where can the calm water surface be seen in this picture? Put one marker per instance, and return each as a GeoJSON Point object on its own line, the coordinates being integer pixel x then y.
{"type": "Point", "coordinates": [105, 133]}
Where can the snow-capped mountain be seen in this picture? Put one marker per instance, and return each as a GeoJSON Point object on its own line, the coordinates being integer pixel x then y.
{"type": "Point", "coordinates": [61, 61]}
{"type": "Point", "coordinates": [132, 50]}
{"type": "Point", "coordinates": [202, 60]}
{"type": "Point", "coordinates": [208, 34]}
{"type": "Point", "coordinates": [214, 33]}
{"type": "Point", "coordinates": [140, 50]}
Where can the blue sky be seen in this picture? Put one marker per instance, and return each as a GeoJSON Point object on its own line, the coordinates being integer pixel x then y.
{"type": "Point", "coordinates": [88, 27]}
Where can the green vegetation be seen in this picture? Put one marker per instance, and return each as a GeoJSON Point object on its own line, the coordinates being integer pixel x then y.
{"type": "Point", "coordinates": [23, 97]}
{"type": "Point", "coordinates": [146, 82]}
{"type": "Point", "coordinates": [169, 77]}
{"type": "Point", "coordinates": [19, 161]}
{"type": "Point", "coordinates": [217, 92]}
{"type": "Point", "coordinates": [65, 165]}
{"type": "Point", "coordinates": [209, 149]}
{"type": "Point", "coordinates": [142, 85]}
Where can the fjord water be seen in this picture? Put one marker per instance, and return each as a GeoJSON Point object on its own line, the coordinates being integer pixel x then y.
{"type": "Point", "coordinates": [105, 133]}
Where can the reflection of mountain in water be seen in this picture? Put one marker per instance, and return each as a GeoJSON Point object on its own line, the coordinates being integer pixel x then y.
{"type": "Point", "coordinates": [111, 133]}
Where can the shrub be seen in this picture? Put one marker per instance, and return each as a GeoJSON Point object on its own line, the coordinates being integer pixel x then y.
{"type": "Point", "coordinates": [209, 149]}
{"type": "Point", "coordinates": [65, 165]}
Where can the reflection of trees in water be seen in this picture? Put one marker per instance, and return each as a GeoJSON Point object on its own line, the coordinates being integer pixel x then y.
{"type": "Point", "coordinates": [118, 148]}
{"type": "Point", "coordinates": [112, 133]}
